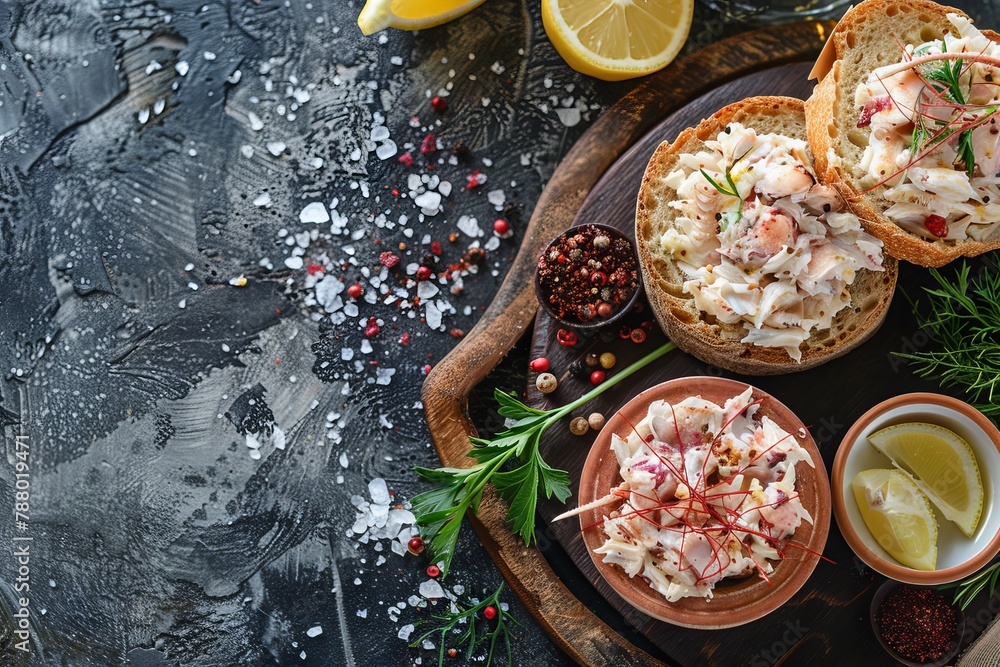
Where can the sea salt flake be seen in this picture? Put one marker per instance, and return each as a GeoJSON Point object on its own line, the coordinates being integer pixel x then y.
{"type": "Point", "coordinates": [426, 289]}
{"type": "Point", "coordinates": [343, 460]}
{"type": "Point", "coordinates": [497, 198]}
{"type": "Point", "coordinates": [256, 124]}
{"type": "Point", "coordinates": [314, 212]}
{"type": "Point", "coordinates": [294, 263]}
{"type": "Point", "coordinates": [569, 117]}
{"type": "Point", "coordinates": [314, 631]}
{"type": "Point", "coordinates": [209, 55]}
{"type": "Point", "coordinates": [428, 202]}
{"type": "Point", "coordinates": [276, 148]}
{"type": "Point", "coordinates": [383, 376]}
{"type": "Point", "coordinates": [405, 632]}
{"type": "Point", "coordinates": [386, 150]}
{"type": "Point", "coordinates": [263, 200]}
{"type": "Point", "coordinates": [469, 226]}
{"type": "Point", "coordinates": [444, 187]}
{"type": "Point", "coordinates": [379, 133]}
{"type": "Point", "coordinates": [378, 491]}
{"type": "Point", "coordinates": [431, 589]}
{"type": "Point", "coordinates": [182, 67]}
{"type": "Point", "coordinates": [432, 315]}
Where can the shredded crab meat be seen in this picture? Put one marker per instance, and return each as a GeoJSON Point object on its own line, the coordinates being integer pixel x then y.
{"type": "Point", "coordinates": [709, 493]}
{"type": "Point", "coordinates": [778, 257]}
{"type": "Point", "coordinates": [916, 134]}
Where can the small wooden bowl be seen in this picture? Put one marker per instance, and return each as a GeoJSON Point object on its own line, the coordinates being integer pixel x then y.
{"type": "Point", "coordinates": [736, 601]}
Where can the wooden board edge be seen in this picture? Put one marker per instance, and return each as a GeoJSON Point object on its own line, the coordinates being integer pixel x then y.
{"type": "Point", "coordinates": [445, 393]}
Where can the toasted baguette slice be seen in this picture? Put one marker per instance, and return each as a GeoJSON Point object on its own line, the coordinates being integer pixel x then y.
{"type": "Point", "coordinates": [718, 343]}
{"type": "Point", "coordinates": [865, 39]}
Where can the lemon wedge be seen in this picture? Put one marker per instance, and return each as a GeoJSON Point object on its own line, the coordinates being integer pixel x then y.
{"type": "Point", "coordinates": [411, 14]}
{"type": "Point", "coordinates": [942, 464]}
{"type": "Point", "coordinates": [617, 39]}
{"type": "Point", "coordinates": [899, 516]}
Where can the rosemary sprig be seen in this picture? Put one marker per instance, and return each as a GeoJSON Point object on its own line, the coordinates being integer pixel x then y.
{"type": "Point", "coordinates": [439, 511]}
{"type": "Point", "coordinates": [468, 616]}
{"type": "Point", "coordinates": [963, 318]}
{"type": "Point", "coordinates": [967, 589]}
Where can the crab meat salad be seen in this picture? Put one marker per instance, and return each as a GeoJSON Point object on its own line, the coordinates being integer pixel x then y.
{"type": "Point", "coordinates": [934, 139]}
{"type": "Point", "coordinates": [760, 242]}
{"type": "Point", "coordinates": [709, 493]}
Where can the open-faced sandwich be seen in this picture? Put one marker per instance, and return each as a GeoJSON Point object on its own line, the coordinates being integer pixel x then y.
{"type": "Point", "coordinates": [749, 262]}
{"type": "Point", "coordinates": [904, 122]}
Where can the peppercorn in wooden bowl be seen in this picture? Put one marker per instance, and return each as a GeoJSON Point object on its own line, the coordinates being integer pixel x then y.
{"type": "Point", "coordinates": [588, 277]}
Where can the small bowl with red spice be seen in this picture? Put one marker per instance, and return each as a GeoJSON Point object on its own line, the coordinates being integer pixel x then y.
{"type": "Point", "coordinates": [588, 277]}
{"type": "Point", "coordinates": [918, 626]}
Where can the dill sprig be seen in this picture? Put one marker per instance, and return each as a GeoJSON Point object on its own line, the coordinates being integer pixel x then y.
{"type": "Point", "coordinates": [967, 589]}
{"type": "Point", "coordinates": [457, 615]}
{"type": "Point", "coordinates": [962, 317]}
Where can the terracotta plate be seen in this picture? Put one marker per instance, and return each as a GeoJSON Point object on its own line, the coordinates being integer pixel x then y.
{"type": "Point", "coordinates": [736, 601]}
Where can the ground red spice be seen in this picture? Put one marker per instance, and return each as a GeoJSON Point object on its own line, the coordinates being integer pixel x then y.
{"type": "Point", "coordinates": [585, 271]}
{"type": "Point", "coordinates": [917, 623]}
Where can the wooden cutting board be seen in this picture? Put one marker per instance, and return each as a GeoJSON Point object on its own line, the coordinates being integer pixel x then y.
{"type": "Point", "coordinates": [597, 181]}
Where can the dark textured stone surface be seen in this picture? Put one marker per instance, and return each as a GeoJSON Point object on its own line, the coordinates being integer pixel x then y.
{"type": "Point", "coordinates": [157, 540]}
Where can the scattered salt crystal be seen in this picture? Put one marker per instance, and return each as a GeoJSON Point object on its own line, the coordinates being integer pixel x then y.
{"type": "Point", "coordinates": [153, 66]}
{"type": "Point", "coordinates": [378, 490]}
{"type": "Point", "coordinates": [405, 631]}
{"type": "Point", "coordinates": [294, 263]}
{"type": "Point", "coordinates": [276, 148]}
{"type": "Point", "coordinates": [159, 106]}
{"type": "Point", "coordinates": [247, 151]}
{"type": "Point", "coordinates": [255, 454]}
{"type": "Point", "coordinates": [469, 226]}
{"type": "Point", "coordinates": [357, 581]}
{"type": "Point", "coordinates": [313, 162]}
{"type": "Point", "coordinates": [366, 347]}
{"type": "Point", "coordinates": [346, 353]}
{"type": "Point", "coordinates": [444, 187]}
{"type": "Point", "coordinates": [279, 438]}
{"type": "Point", "coordinates": [431, 589]}
{"type": "Point", "coordinates": [492, 244]}
{"type": "Point", "coordinates": [497, 198]}
{"type": "Point", "coordinates": [209, 55]}
{"type": "Point", "coordinates": [379, 133]}
{"type": "Point", "coordinates": [143, 116]}
{"type": "Point", "coordinates": [314, 212]}
{"type": "Point", "coordinates": [314, 631]}
{"type": "Point", "coordinates": [428, 645]}
{"type": "Point", "coordinates": [396, 60]}
{"type": "Point", "coordinates": [426, 289]}
{"type": "Point", "coordinates": [386, 150]}
{"type": "Point", "coordinates": [360, 525]}
{"type": "Point", "coordinates": [182, 67]}
{"type": "Point", "coordinates": [432, 315]}
{"type": "Point", "coordinates": [182, 303]}
{"type": "Point", "coordinates": [362, 613]}
{"type": "Point", "coordinates": [193, 286]}
{"type": "Point", "coordinates": [569, 117]}
{"type": "Point", "coordinates": [256, 124]}
{"type": "Point", "coordinates": [428, 202]}
{"type": "Point", "coordinates": [383, 376]}
{"type": "Point", "coordinates": [302, 655]}
{"type": "Point", "coordinates": [343, 460]}
{"type": "Point", "coordinates": [263, 200]}
{"type": "Point", "coordinates": [458, 588]}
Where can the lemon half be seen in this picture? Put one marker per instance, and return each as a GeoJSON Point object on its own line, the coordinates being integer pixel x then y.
{"type": "Point", "coordinates": [617, 39]}
{"type": "Point", "coordinates": [899, 516]}
{"type": "Point", "coordinates": [942, 464]}
{"type": "Point", "coordinates": [411, 14]}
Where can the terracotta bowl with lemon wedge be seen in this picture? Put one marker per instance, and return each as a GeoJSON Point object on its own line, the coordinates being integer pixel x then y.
{"type": "Point", "coordinates": [914, 485]}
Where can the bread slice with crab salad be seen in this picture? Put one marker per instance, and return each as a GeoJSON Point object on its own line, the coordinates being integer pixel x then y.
{"type": "Point", "coordinates": [667, 274]}
{"type": "Point", "coordinates": [927, 220]}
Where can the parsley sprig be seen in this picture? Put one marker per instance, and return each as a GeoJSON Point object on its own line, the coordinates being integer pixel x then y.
{"type": "Point", "coordinates": [439, 511]}
{"type": "Point", "coordinates": [967, 589]}
{"type": "Point", "coordinates": [962, 316]}
{"type": "Point", "coordinates": [468, 616]}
